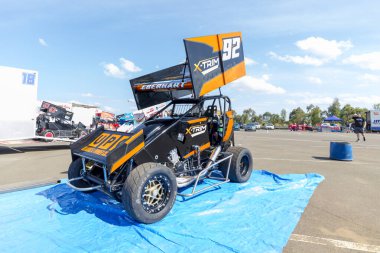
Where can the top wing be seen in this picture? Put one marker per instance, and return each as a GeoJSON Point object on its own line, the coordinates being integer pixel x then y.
{"type": "Point", "coordinates": [214, 61]}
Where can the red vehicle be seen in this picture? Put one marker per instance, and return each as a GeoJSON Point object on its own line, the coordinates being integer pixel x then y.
{"type": "Point", "coordinates": [293, 127]}
{"type": "Point", "coordinates": [300, 127]}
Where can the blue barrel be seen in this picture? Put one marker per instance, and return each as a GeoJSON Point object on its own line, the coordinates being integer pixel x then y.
{"type": "Point", "coordinates": [341, 151]}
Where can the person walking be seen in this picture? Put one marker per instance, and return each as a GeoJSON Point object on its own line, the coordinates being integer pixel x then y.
{"type": "Point", "coordinates": [359, 124]}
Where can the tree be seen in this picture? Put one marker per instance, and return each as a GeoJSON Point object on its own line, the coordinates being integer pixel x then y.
{"type": "Point", "coordinates": [324, 114]}
{"type": "Point", "coordinates": [275, 119]}
{"type": "Point", "coordinates": [315, 115]}
{"type": "Point", "coordinates": [334, 108]}
{"type": "Point", "coordinates": [247, 116]}
{"type": "Point", "coordinates": [376, 106]}
{"type": "Point", "coordinates": [267, 116]}
{"type": "Point", "coordinates": [361, 111]}
{"type": "Point", "coordinates": [346, 113]}
{"type": "Point", "coordinates": [309, 108]}
{"type": "Point", "coordinates": [256, 119]}
{"type": "Point", "coordinates": [237, 118]}
{"type": "Point", "coordinates": [297, 116]}
{"type": "Point", "coordinates": [283, 115]}
{"type": "Point", "coordinates": [244, 119]}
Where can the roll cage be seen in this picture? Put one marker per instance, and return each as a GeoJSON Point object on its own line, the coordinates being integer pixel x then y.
{"type": "Point", "coordinates": [197, 110]}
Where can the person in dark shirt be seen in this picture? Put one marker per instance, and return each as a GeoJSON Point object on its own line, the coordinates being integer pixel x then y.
{"type": "Point", "coordinates": [359, 124]}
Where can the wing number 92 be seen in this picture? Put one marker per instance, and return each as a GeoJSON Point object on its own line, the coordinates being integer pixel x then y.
{"type": "Point", "coordinates": [231, 48]}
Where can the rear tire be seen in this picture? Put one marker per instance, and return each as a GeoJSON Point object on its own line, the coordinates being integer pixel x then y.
{"type": "Point", "coordinates": [241, 165]}
{"type": "Point", "coordinates": [48, 134]}
{"type": "Point", "coordinates": [74, 171]}
{"type": "Point", "coordinates": [149, 192]}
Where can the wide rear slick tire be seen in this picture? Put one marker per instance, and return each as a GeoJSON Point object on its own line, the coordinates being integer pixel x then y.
{"type": "Point", "coordinates": [241, 165]}
{"type": "Point", "coordinates": [48, 134]}
{"type": "Point", "coordinates": [149, 192]}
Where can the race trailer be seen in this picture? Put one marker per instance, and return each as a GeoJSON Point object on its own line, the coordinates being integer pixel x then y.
{"type": "Point", "coordinates": [18, 103]}
{"type": "Point", "coordinates": [176, 150]}
{"type": "Point", "coordinates": [373, 120]}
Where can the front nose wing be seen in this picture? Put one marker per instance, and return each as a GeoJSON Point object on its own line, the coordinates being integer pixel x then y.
{"type": "Point", "coordinates": [109, 148]}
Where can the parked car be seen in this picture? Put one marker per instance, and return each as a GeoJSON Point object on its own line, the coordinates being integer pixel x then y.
{"type": "Point", "coordinates": [236, 127]}
{"type": "Point", "coordinates": [327, 127]}
{"type": "Point", "coordinates": [309, 128]}
{"type": "Point", "coordinates": [250, 127]}
{"type": "Point", "coordinates": [269, 126]}
{"type": "Point", "coordinates": [258, 126]}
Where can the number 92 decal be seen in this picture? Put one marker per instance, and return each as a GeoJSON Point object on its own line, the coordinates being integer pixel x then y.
{"type": "Point", "coordinates": [231, 48]}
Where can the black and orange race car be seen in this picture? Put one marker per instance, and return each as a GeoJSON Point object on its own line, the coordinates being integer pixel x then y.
{"type": "Point", "coordinates": [188, 140]}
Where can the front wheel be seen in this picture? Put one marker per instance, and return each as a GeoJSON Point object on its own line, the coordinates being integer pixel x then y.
{"type": "Point", "coordinates": [149, 192]}
{"type": "Point", "coordinates": [75, 170]}
{"type": "Point", "coordinates": [241, 165]}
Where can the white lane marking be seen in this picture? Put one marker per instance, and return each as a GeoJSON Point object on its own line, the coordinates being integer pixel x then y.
{"type": "Point", "coordinates": [312, 161]}
{"type": "Point", "coordinates": [303, 140]}
{"type": "Point", "coordinates": [325, 141]}
{"type": "Point", "coordinates": [354, 146]}
{"type": "Point", "coordinates": [335, 243]}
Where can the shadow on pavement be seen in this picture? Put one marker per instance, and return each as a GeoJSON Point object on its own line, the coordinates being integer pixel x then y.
{"type": "Point", "coordinates": [321, 158]}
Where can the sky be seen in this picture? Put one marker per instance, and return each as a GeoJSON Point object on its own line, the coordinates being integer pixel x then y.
{"type": "Point", "coordinates": [298, 52]}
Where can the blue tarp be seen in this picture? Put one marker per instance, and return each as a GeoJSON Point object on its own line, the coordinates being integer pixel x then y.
{"type": "Point", "coordinates": [257, 216]}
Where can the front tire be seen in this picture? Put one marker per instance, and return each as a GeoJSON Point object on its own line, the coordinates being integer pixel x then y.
{"type": "Point", "coordinates": [74, 171]}
{"type": "Point", "coordinates": [241, 165]}
{"type": "Point", "coordinates": [149, 192]}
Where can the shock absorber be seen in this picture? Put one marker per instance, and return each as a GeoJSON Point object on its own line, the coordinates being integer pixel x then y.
{"type": "Point", "coordinates": [214, 154]}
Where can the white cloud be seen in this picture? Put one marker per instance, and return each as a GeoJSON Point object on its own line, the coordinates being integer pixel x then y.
{"type": "Point", "coordinates": [304, 60]}
{"type": "Point", "coordinates": [111, 69]}
{"type": "Point", "coordinates": [325, 49]}
{"type": "Point", "coordinates": [307, 98]}
{"type": "Point", "coordinates": [359, 100]}
{"type": "Point", "coordinates": [257, 84]}
{"type": "Point", "coordinates": [314, 80]}
{"type": "Point", "coordinates": [89, 95]}
{"type": "Point", "coordinates": [265, 77]}
{"type": "Point", "coordinates": [318, 100]}
{"type": "Point", "coordinates": [363, 85]}
{"type": "Point", "coordinates": [129, 65]}
{"type": "Point", "coordinates": [42, 42]}
{"type": "Point", "coordinates": [290, 102]}
{"type": "Point", "coordinates": [321, 51]}
{"type": "Point", "coordinates": [249, 61]}
{"type": "Point", "coordinates": [367, 61]}
{"type": "Point", "coordinates": [371, 78]}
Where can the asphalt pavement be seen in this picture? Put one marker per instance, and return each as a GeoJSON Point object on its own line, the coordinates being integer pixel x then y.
{"type": "Point", "coordinates": [343, 215]}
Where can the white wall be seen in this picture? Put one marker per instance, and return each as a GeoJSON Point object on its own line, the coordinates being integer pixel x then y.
{"type": "Point", "coordinates": [18, 97]}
